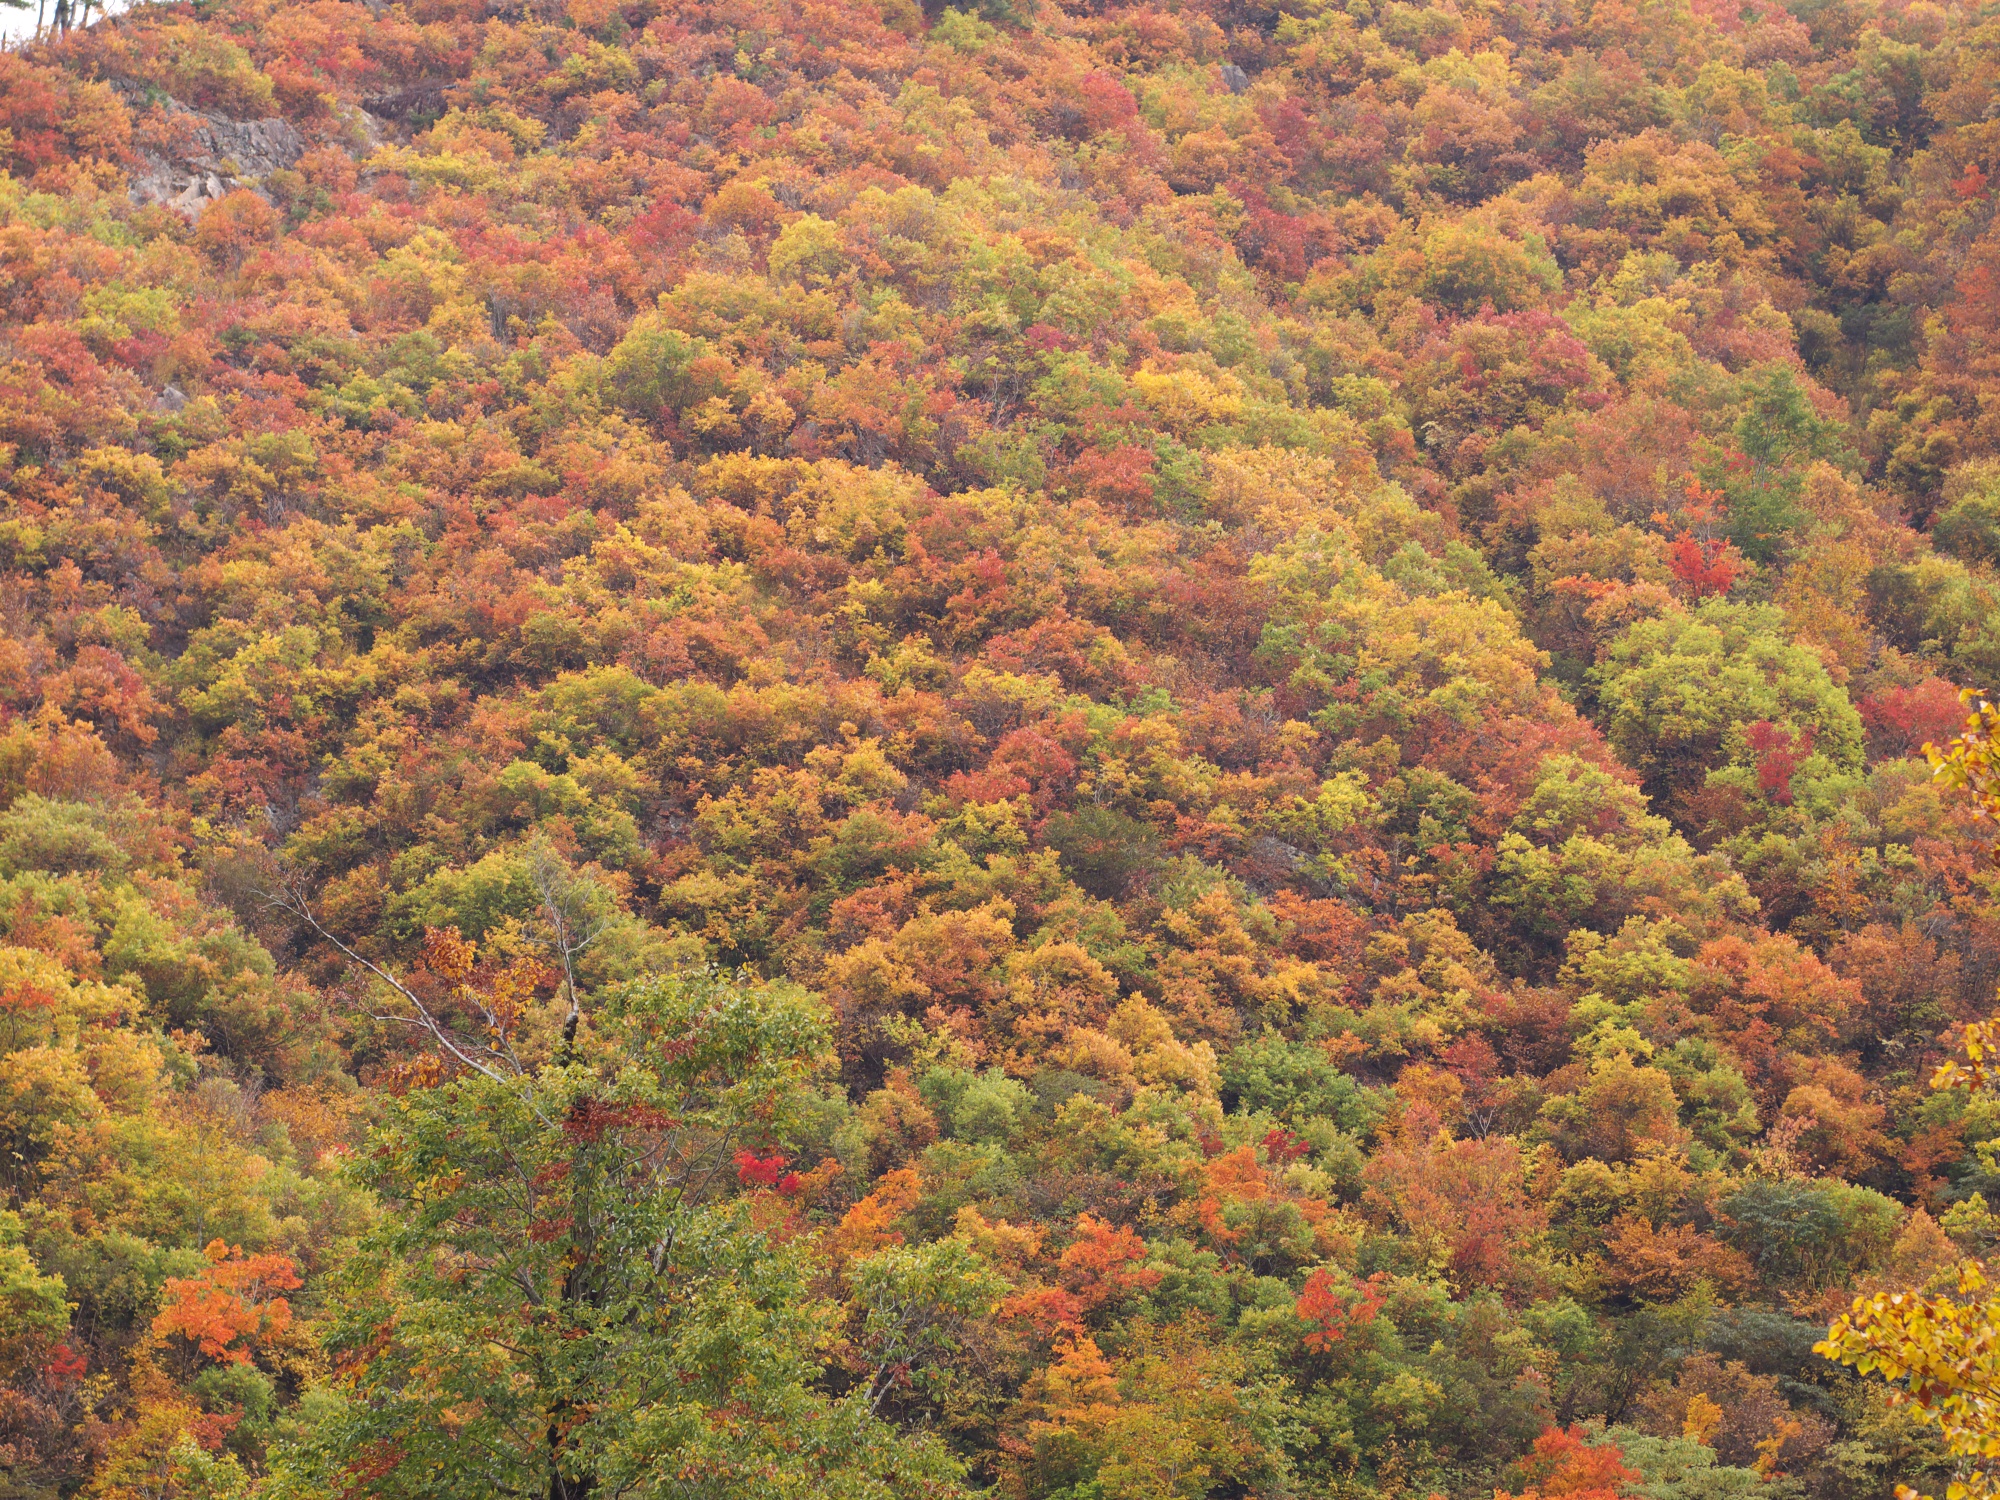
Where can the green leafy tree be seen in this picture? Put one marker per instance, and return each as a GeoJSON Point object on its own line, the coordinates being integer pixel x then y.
{"type": "Point", "coordinates": [1723, 692]}
{"type": "Point", "coordinates": [568, 1297]}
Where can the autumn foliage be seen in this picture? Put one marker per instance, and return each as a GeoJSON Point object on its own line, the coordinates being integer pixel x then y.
{"type": "Point", "coordinates": [1081, 751]}
{"type": "Point", "coordinates": [1565, 1463]}
{"type": "Point", "coordinates": [233, 1307]}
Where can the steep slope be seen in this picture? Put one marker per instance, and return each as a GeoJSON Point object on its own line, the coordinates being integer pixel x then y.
{"type": "Point", "coordinates": [1295, 639]}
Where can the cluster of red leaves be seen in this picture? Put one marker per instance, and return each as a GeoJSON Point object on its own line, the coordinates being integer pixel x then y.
{"type": "Point", "coordinates": [1333, 1307]}
{"type": "Point", "coordinates": [757, 1171]}
{"type": "Point", "coordinates": [1779, 754]}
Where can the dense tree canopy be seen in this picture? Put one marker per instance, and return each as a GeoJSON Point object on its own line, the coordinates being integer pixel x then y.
{"type": "Point", "coordinates": [1089, 750]}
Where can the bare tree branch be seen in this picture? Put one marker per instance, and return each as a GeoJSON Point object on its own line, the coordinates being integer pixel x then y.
{"type": "Point", "coordinates": [292, 899]}
{"type": "Point", "coordinates": [570, 931]}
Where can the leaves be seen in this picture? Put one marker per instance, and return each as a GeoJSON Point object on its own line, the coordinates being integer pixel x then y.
{"type": "Point", "coordinates": [231, 1308]}
{"type": "Point", "coordinates": [852, 750]}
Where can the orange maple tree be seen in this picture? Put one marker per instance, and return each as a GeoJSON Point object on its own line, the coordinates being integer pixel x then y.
{"type": "Point", "coordinates": [233, 1305]}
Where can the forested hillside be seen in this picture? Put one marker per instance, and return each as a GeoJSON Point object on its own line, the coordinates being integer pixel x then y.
{"type": "Point", "coordinates": [1091, 751]}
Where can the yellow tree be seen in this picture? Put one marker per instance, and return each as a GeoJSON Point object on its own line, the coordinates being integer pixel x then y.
{"type": "Point", "coordinates": [1969, 762]}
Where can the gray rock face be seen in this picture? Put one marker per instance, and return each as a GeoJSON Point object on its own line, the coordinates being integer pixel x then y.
{"type": "Point", "coordinates": [195, 156]}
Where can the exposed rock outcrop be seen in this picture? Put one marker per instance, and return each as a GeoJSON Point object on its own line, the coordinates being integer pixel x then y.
{"type": "Point", "coordinates": [190, 156]}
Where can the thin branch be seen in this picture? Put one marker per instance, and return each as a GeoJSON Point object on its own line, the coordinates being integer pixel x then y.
{"type": "Point", "coordinates": [680, 1195]}
{"type": "Point", "coordinates": [293, 900]}
{"type": "Point", "coordinates": [555, 883]}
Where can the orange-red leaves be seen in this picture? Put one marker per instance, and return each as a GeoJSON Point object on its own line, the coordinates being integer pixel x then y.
{"type": "Point", "coordinates": [1331, 1308]}
{"type": "Point", "coordinates": [1564, 1464]}
{"type": "Point", "coordinates": [230, 1307]}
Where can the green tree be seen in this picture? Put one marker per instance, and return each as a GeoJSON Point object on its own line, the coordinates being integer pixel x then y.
{"type": "Point", "coordinates": [1780, 434]}
{"type": "Point", "coordinates": [1723, 691]}
{"type": "Point", "coordinates": [569, 1297]}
